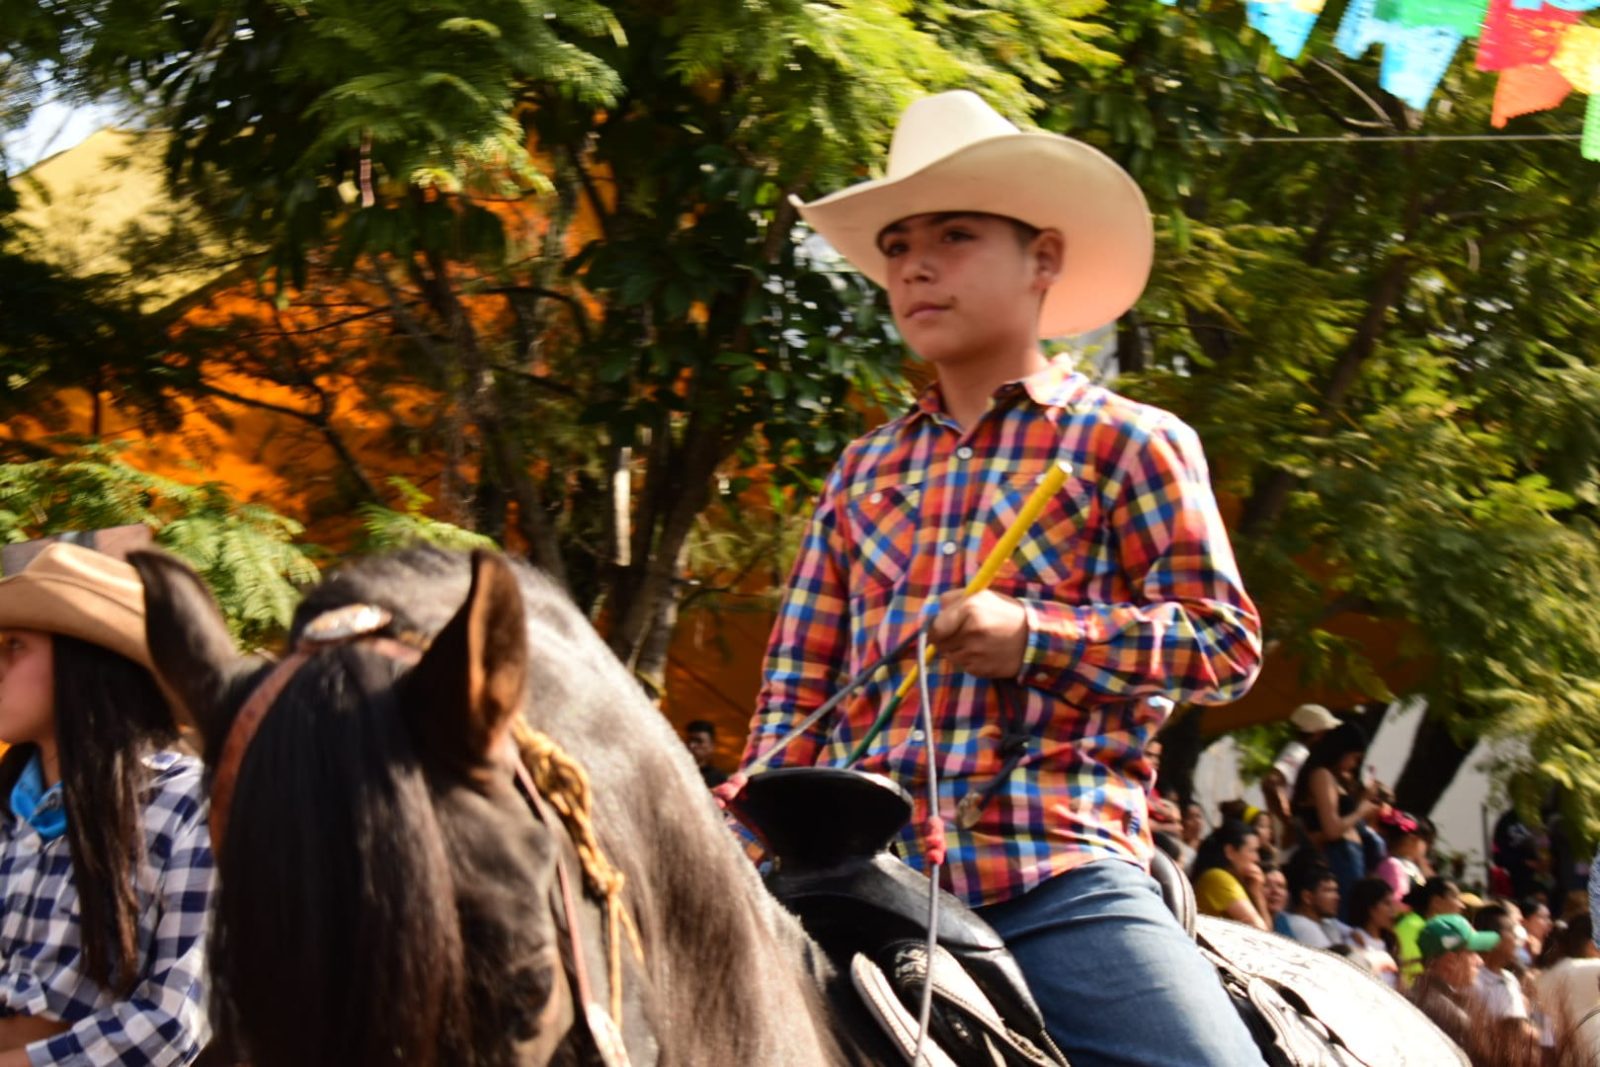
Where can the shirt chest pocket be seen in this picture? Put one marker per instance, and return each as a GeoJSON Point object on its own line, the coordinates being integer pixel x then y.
{"type": "Point", "coordinates": [884, 517]}
{"type": "Point", "coordinates": [1055, 548]}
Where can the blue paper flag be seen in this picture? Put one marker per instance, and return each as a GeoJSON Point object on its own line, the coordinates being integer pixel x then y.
{"type": "Point", "coordinates": [1359, 30]}
{"type": "Point", "coordinates": [1415, 60]}
{"type": "Point", "coordinates": [1284, 24]}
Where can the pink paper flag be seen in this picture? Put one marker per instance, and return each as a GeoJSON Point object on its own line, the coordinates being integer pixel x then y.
{"type": "Point", "coordinates": [1516, 38]}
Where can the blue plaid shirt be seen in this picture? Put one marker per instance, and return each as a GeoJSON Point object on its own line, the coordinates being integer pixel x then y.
{"type": "Point", "coordinates": [163, 1021]}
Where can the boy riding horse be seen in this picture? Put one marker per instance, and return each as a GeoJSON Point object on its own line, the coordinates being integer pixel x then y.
{"type": "Point", "coordinates": [1122, 597]}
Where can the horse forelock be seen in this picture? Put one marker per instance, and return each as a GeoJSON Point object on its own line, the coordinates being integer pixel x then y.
{"type": "Point", "coordinates": [364, 899]}
{"type": "Point", "coordinates": [335, 900]}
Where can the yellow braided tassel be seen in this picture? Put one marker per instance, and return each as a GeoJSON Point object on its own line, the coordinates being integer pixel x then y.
{"type": "Point", "coordinates": [564, 784]}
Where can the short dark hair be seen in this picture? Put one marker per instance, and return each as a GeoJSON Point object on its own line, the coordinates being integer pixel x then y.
{"type": "Point", "coordinates": [1025, 232]}
{"type": "Point", "coordinates": [1490, 916]}
{"type": "Point", "coordinates": [1306, 877]}
{"type": "Point", "coordinates": [1424, 895]}
{"type": "Point", "coordinates": [701, 726]}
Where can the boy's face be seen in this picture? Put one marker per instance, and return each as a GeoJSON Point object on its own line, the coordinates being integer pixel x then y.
{"type": "Point", "coordinates": [967, 286]}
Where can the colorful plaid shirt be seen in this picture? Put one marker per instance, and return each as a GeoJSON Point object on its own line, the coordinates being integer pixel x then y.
{"type": "Point", "coordinates": [1132, 596]}
{"type": "Point", "coordinates": [163, 1021]}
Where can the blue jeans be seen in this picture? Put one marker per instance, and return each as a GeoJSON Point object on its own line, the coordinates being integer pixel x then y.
{"type": "Point", "coordinates": [1117, 979]}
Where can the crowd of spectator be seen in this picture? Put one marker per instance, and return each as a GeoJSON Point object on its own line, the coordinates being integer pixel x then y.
{"type": "Point", "coordinates": [1331, 863]}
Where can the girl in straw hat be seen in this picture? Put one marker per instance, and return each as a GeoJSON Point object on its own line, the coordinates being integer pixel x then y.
{"type": "Point", "coordinates": [105, 861]}
{"type": "Point", "coordinates": [1122, 597]}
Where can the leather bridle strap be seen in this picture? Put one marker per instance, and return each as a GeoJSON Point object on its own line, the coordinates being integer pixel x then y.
{"type": "Point", "coordinates": [606, 1030]}
{"type": "Point", "coordinates": [240, 734]}
{"type": "Point", "coordinates": [342, 626]}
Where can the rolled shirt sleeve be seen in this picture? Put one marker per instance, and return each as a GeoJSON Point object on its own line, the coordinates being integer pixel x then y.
{"type": "Point", "coordinates": [1190, 633]}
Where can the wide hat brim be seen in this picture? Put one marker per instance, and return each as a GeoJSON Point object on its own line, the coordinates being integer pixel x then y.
{"type": "Point", "coordinates": [1043, 179]}
{"type": "Point", "coordinates": [80, 593]}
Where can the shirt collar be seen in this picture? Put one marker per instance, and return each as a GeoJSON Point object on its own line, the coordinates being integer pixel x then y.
{"type": "Point", "coordinates": [43, 809]}
{"type": "Point", "coordinates": [1056, 385]}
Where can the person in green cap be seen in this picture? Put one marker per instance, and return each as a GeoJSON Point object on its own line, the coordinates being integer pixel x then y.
{"type": "Point", "coordinates": [1436, 896]}
{"type": "Point", "coordinates": [1444, 991]}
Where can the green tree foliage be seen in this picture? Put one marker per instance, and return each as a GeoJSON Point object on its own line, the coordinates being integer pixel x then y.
{"type": "Point", "coordinates": [246, 552]}
{"type": "Point", "coordinates": [1384, 344]}
{"type": "Point", "coordinates": [596, 398]}
{"type": "Point", "coordinates": [385, 529]}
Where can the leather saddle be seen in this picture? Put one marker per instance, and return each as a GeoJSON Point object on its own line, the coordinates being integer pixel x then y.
{"type": "Point", "coordinates": [828, 831]}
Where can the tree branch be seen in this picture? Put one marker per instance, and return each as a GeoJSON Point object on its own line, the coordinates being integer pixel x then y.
{"type": "Point", "coordinates": [317, 419]}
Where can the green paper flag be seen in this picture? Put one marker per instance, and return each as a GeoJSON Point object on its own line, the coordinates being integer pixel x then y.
{"type": "Point", "coordinates": [1462, 16]}
{"type": "Point", "coordinates": [1591, 130]}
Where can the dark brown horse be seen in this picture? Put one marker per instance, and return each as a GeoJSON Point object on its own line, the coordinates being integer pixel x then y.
{"type": "Point", "coordinates": [388, 896]}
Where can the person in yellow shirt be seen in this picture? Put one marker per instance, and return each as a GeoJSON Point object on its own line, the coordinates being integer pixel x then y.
{"type": "Point", "coordinates": [1227, 875]}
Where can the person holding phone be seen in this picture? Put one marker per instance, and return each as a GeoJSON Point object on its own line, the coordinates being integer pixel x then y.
{"type": "Point", "coordinates": [1331, 803]}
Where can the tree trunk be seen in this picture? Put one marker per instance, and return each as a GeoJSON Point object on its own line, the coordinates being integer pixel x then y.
{"type": "Point", "coordinates": [651, 662]}
{"type": "Point", "coordinates": [1133, 354]}
{"type": "Point", "coordinates": [681, 486]}
{"type": "Point", "coordinates": [1369, 717]}
{"type": "Point", "coordinates": [1431, 766]}
{"type": "Point", "coordinates": [1181, 745]}
{"type": "Point", "coordinates": [1272, 489]}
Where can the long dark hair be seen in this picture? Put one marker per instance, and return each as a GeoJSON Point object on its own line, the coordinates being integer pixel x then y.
{"type": "Point", "coordinates": [1567, 940]}
{"type": "Point", "coordinates": [1211, 853]}
{"type": "Point", "coordinates": [1365, 895]}
{"type": "Point", "coordinates": [109, 714]}
{"type": "Point", "coordinates": [1334, 746]}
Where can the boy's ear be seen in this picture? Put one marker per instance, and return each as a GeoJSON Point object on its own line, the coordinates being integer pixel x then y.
{"type": "Point", "coordinates": [1048, 251]}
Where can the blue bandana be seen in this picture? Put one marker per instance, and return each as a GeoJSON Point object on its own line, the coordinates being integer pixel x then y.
{"type": "Point", "coordinates": [43, 809]}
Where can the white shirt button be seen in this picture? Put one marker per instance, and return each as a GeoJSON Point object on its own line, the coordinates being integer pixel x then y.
{"type": "Point", "coordinates": [876, 498]}
{"type": "Point", "coordinates": [948, 548]}
{"type": "Point", "coordinates": [963, 452]}
{"type": "Point", "coordinates": [917, 736]}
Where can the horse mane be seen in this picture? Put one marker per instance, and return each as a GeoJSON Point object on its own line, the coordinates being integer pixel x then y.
{"type": "Point", "coordinates": [729, 975]}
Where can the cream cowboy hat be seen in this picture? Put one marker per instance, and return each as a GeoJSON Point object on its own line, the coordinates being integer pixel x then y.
{"type": "Point", "coordinates": [81, 593]}
{"type": "Point", "coordinates": [953, 152]}
{"type": "Point", "coordinates": [1314, 718]}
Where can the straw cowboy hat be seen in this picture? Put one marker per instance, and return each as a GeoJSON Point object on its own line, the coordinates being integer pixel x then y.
{"type": "Point", "coordinates": [953, 152]}
{"type": "Point", "coordinates": [80, 593]}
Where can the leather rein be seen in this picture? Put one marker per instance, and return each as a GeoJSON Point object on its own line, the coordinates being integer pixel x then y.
{"type": "Point", "coordinates": [360, 623]}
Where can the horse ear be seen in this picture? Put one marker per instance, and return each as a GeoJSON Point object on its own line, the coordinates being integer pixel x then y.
{"type": "Point", "coordinates": [191, 651]}
{"type": "Point", "coordinates": [461, 697]}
